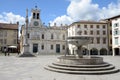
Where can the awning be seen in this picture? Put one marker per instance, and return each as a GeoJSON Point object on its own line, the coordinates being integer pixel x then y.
{"type": "Point", "coordinates": [12, 46]}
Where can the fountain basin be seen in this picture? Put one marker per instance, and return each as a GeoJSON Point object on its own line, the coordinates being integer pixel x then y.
{"type": "Point", "coordinates": [80, 61]}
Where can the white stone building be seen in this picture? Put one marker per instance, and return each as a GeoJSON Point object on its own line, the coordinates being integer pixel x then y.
{"type": "Point", "coordinates": [116, 35]}
{"type": "Point", "coordinates": [97, 30]}
{"type": "Point", "coordinates": [44, 39]}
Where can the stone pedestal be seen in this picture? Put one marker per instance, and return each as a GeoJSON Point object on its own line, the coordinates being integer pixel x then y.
{"type": "Point", "coordinates": [26, 52]}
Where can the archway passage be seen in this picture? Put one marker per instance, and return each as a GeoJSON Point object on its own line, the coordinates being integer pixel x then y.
{"type": "Point", "coordinates": [117, 51]}
{"type": "Point", "coordinates": [93, 51]}
{"type": "Point", "coordinates": [103, 51]}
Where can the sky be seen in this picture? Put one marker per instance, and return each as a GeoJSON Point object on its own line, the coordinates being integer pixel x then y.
{"type": "Point", "coordinates": [59, 11]}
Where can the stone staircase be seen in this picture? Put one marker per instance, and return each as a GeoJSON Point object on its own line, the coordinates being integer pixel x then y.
{"type": "Point", "coordinates": [104, 68]}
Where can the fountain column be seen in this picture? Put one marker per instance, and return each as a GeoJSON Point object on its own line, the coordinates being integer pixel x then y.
{"type": "Point", "coordinates": [26, 52]}
{"type": "Point", "coordinates": [78, 52]}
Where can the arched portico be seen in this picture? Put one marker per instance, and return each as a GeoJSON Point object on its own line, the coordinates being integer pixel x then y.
{"type": "Point", "coordinates": [94, 51]}
{"type": "Point", "coordinates": [103, 51]}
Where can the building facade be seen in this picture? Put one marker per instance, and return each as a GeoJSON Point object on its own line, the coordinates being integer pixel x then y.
{"type": "Point", "coordinates": [109, 32]}
{"type": "Point", "coordinates": [53, 39]}
{"type": "Point", "coordinates": [113, 33]}
{"type": "Point", "coordinates": [97, 30]}
{"type": "Point", "coordinates": [116, 36]}
{"type": "Point", "coordinates": [8, 36]}
{"type": "Point", "coordinates": [44, 39]}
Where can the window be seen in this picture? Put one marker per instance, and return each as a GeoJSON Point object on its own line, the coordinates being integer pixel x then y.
{"type": "Point", "coordinates": [5, 41]}
{"type": "Point", "coordinates": [110, 24]}
{"type": "Point", "coordinates": [42, 36]}
{"type": "Point", "coordinates": [51, 47]}
{"type": "Point", "coordinates": [78, 26]}
{"type": "Point", "coordinates": [97, 26]}
{"type": "Point", "coordinates": [85, 32]}
{"type": "Point", "coordinates": [42, 47]}
{"type": "Point", "coordinates": [98, 32]}
{"type": "Point", "coordinates": [116, 24]}
{"type": "Point", "coordinates": [14, 41]}
{"type": "Point", "coordinates": [116, 32]}
{"type": "Point", "coordinates": [110, 32]}
{"type": "Point", "coordinates": [91, 26]}
{"type": "Point", "coordinates": [85, 26]}
{"type": "Point", "coordinates": [37, 15]}
{"type": "Point", "coordinates": [51, 36]}
{"type": "Point", "coordinates": [5, 34]}
{"type": "Point", "coordinates": [63, 47]}
{"type": "Point", "coordinates": [104, 32]}
{"type": "Point", "coordinates": [1, 33]}
{"type": "Point", "coordinates": [63, 37]}
{"type": "Point", "coordinates": [92, 40]}
{"type": "Point", "coordinates": [104, 40]}
{"type": "Point", "coordinates": [1, 41]}
{"type": "Point", "coordinates": [79, 32]}
{"type": "Point", "coordinates": [103, 26]}
{"type": "Point", "coordinates": [98, 40]}
{"type": "Point", "coordinates": [33, 15]}
{"type": "Point", "coordinates": [28, 36]}
{"type": "Point", "coordinates": [110, 41]}
{"type": "Point", "coordinates": [91, 32]}
{"type": "Point", "coordinates": [116, 41]}
{"type": "Point", "coordinates": [15, 34]}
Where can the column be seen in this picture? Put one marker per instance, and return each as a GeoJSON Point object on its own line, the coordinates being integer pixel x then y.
{"type": "Point", "coordinates": [113, 51]}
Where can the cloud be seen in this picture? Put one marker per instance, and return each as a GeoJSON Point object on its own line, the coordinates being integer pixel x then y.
{"type": "Point", "coordinates": [86, 10]}
{"type": "Point", "coordinates": [62, 19]}
{"type": "Point", "coordinates": [11, 18]}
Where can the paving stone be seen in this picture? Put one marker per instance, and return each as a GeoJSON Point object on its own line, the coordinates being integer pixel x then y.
{"type": "Point", "coordinates": [32, 68]}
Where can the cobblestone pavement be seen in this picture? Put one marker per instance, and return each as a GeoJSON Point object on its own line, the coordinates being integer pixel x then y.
{"type": "Point", "coordinates": [16, 68]}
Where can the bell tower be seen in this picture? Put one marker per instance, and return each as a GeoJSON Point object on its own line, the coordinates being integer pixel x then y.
{"type": "Point", "coordinates": [35, 19]}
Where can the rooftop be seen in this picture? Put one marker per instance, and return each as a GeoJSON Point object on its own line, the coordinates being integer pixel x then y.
{"type": "Point", "coordinates": [114, 17]}
{"type": "Point", "coordinates": [9, 26]}
{"type": "Point", "coordinates": [88, 22]}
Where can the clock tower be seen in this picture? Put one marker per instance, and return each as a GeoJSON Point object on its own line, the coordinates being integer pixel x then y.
{"type": "Point", "coordinates": [35, 19]}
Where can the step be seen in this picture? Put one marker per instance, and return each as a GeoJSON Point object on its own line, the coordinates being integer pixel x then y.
{"type": "Point", "coordinates": [81, 69]}
{"type": "Point", "coordinates": [83, 72]}
{"type": "Point", "coordinates": [81, 66]}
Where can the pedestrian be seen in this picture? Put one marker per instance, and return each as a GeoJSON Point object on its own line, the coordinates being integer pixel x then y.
{"type": "Point", "coordinates": [8, 52]}
{"type": "Point", "coordinates": [18, 51]}
{"type": "Point", "coordinates": [5, 51]}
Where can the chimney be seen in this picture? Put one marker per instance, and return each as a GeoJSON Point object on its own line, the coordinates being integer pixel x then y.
{"type": "Point", "coordinates": [54, 24]}
{"type": "Point", "coordinates": [17, 23]}
{"type": "Point", "coordinates": [61, 25]}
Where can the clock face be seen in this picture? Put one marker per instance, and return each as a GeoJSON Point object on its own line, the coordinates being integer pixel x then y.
{"type": "Point", "coordinates": [36, 23]}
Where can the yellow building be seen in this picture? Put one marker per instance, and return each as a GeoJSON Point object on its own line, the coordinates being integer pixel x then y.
{"type": "Point", "coordinates": [9, 36]}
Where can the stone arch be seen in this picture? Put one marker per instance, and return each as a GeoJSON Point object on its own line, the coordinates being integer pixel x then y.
{"type": "Point", "coordinates": [84, 51]}
{"type": "Point", "coordinates": [94, 51]}
{"type": "Point", "coordinates": [103, 51]}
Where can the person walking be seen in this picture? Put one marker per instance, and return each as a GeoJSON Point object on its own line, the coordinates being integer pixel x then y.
{"type": "Point", "coordinates": [8, 52]}
{"type": "Point", "coordinates": [5, 51]}
{"type": "Point", "coordinates": [18, 51]}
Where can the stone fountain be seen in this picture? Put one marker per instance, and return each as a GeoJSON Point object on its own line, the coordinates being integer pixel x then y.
{"type": "Point", "coordinates": [79, 64]}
